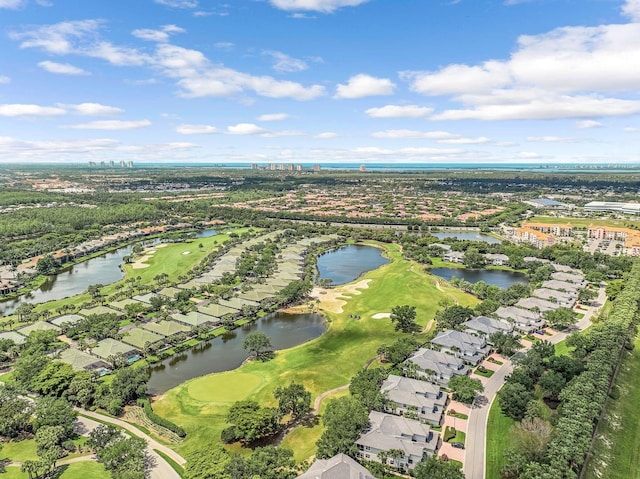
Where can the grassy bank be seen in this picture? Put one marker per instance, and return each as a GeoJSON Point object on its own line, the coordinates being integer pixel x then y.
{"type": "Point", "coordinates": [498, 438]}
{"type": "Point", "coordinates": [200, 405]}
{"type": "Point", "coordinates": [617, 451]}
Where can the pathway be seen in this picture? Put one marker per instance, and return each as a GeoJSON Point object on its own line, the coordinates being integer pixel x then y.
{"type": "Point", "coordinates": [160, 468]}
{"type": "Point", "coordinates": [324, 395]}
{"type": "Point", "coordinates": [475, 454]}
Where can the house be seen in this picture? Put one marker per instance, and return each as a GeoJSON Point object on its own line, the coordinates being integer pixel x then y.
{"type": "Point", "coordinates": [340, 466]}
{"type": "Point", "coordinates": [167, 328]}
{"type": "Point", "coordinates": [484, 326]}
{"type": "Point", "coordinates": [111, 347]}
{"type": "Point", "coordinates": [140, 338]}
{"type": "Point", "coordinates": [454, 257]}
{"type": "Point", "coordinates": [81, 361]}
{"type": "Point", "coordinates": [435, 366]}
{"type": "Point", "coordinates": [13, 336]}
{"type": "Point", "coordinates": [533, 259]}
{"type": "Point", "coordinates": [570, 288]}
{"type": "Point", "coordinates": [39, 326]}
{"type": "Point", "coordinates": [442, 246]}
{"type": "Point", "coordinates": [563, 268]}
{"type": "Point", "coordinates": [525, 321]}
{"type": "Point", "coordinates": [386, 432]}
{"type": "Point", "coordinates": [421, 398]}
{"type": "Point", "coordinates": [535, 238]}
{"type": "Point", "coordinates": [467, 347]}
{"type": "Point", "coordinates": [496, 259]}
{"type": "Point", "coordinates": [194, 318]}
{"type": "Point", "coordinates": [8, 286]}
{"type": "Point", "coordinates": [569, 278]}
{"type": "Point", "coordinates": [537, 304]}
{"type": "Point", "coordinates": [68, 319]}
{"type": "Point", "coordinates": [562, 299]}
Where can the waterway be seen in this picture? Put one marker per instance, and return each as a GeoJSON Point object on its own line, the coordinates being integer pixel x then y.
{"type": "Point", "coordinates": [348, 263]}
{"type": "Point", "coordinates": [500, 278]}
{"type": "Point", "coordinates": [467, 236]}
{"type": "Point", "coordinates": [226, 352]}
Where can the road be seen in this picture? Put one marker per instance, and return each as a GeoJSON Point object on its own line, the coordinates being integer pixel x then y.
{"type": "Point", "coordinates": [160, 468]}
{"type": "Point", "coordinates": [476, 442]}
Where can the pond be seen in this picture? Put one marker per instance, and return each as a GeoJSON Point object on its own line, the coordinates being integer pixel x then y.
{"type": "Point", "coordinates": [468, 236]}
{"type": "Point", "coordinates": [502, 279]}
{"type": "Point", "coordinates": [348, 263]}
{"type": "Point", "coordinates": [74, 280]}
{"type": "Point", "coordinates": [226, 352]}
{"type": "Point", "coordinates": [207, 233]}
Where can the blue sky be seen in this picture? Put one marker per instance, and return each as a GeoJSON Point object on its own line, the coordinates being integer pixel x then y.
{"type": "Point", "coordinates": [324, 81]}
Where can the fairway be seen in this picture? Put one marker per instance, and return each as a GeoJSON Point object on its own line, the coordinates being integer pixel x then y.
{"type": "Point", "coordinates": [320, 365]}
{"type": "Point", "coordinates": [226, 387]}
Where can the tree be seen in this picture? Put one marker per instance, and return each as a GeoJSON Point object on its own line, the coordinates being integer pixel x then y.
{"type": "Point", "coordinates": [293, 399]}
{"type": "Point", "coordinates": [82, 389]}
{"type": "Point", "coordinates": [453, 316]}
{"type": "Point", "coordinates": [473, 258]}
{"type": "Point", "coordinates": [129, 384]}
{"type": "Point", "coordinates": [587, 295]}
{"type": "Point", "coordinates": [266, 463]}
{"type": "Point", "coordinates": [251, 422]}
{"type": "Point", "coordinates": [257, 343]}
{"type": "Point", "coordinates": [432, 467]}
{"type": "Point", "coordinates": [505, 343]}
{"type": "Point", "coordinates": [208, 463]}
{"type": "Point", "coordinates": [552, 383]}
{"type": "Point", "coordinates": [54, 412]}
{"type": "Point", "coordinates": [344, 419]}
{"type": "Point", "coordinates": [405, 318]}
{"type": "Point", "coordinates": [513, 399]}
{"type": "Point", "coordinates": [365, 386]}
{"type": "Point", "coordinates": [560, 318]}
{"type": "Point", "coordinates": [465, 388]}
{"type": "Point", "coordinates": [49, 441]}
{"type": "Point", "coordinates": [124, 457]}
{"type": "Point", "coordinates": [530, 437]}
{"type": "Point", "coordinates": [24, 311]}
{"type": "Point", "coordinates": [15, 413]}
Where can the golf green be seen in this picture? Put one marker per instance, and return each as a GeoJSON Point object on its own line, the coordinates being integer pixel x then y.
{"type": "Point", "coordinates": [224, 387]}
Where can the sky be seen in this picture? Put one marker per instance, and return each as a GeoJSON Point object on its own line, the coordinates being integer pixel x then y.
{"type": "Point", "coordinates": [320, 81]}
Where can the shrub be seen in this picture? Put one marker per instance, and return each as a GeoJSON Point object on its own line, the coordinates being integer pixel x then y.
{"type": "Point", "coordinates": [159, 420]}
{"type": "Point", "coordinates": [229, 435]}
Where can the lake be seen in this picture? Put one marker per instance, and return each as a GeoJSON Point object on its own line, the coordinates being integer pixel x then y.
{"type": "Point", "coordinates": [74, 280]}
{"type": "Point", "coordinates": [502, 279]}
{"type": "Point", "coordinates": [348, 263]}
{"type": "Point", "coordinates": [468, 236]}
{"type": "Point", "coordinates": [226, 352]}
{"type": "Point", "coordinates": [207, 233]}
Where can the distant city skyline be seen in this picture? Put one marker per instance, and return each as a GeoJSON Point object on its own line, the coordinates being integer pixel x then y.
{"type": "Point", "coordinates": [320, 81]}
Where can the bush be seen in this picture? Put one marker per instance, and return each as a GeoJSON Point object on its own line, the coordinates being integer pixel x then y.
{"type": "Point", "coordinates": [229, 435]}
{"type": "Point", "coordinates": [159, 420]}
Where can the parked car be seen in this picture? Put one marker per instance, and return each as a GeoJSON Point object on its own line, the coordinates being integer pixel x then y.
{"type": "Point", "coordinates": [457, 445]}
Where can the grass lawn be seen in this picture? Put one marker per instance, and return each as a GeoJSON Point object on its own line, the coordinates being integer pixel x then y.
{"type": "Point", "coordinates": [562, 348]}
{"type": "Point", "coordinates": [498, 427]}
{"type": "Point", "coordinates": [586, 222]}
{"type": "Point", "coordinates": [617, 451]}
{"type": "Point", "coordinates": [78, 470]}
{"type": "Point", "coordinates": [19, 451]}
{"type": "Point", "coordinates": [486, 373]}
{"type": "Point", "coordinates": [330, 361]}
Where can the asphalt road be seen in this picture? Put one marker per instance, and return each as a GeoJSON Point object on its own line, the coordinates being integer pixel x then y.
{"type": "Point", "coordinates": [160, 468]}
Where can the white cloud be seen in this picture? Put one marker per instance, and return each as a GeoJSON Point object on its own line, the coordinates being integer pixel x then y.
{"type": "Point", "coordinates": [283, 63]}
{"type": "Point", "coordinates": [57, 38]}
{"type": "Point", "coordinates": [399, 111]}
{"type": "Point", "coordinates": [178, 3]}
{"type": "Point", "coordinates": [224, 45]}
{"type": "Point", "coordinates": [586, 124]}
{"type": "Point", "coordinates": [18, 109]}
{"type": "Point", "coordinates": [327, 135]}
{"type": "Point", "coordinates": [466, 141]}
{"type": "Point", "coordinates": [363, 85]}
{"type": "Point", "coordinates": [197, 129]}
{"type": "Point", "coordinates": [413, 134]}
{"type": "Point", "coordinates": [630, 129]}
{"type": "Point", "coordinates": [273, 117]}
{"type": "Point", "coordinates": [281, 133]}
{"type": "Point", "coordinates": [113, 125]}
{"type": "Point", "coordinates": [245, 129]}
{"type": "Point", "coordinates": [570, 72]}
{"type": "Point", "coordinates": [62, 68]}
{"type": "Point", "coordinates": [12, 4]}
{"type": "Point", "coordinates": [551, 139]}
{"type": "Point", "coordinates": [161, 35]}
{"type": "Point", "coordinates": [323, 6]}
{"type": "Point", "coordinates": [4, 80]}
{"type": "Point", "coordinates": [631, 9]}
{"type": "Point", "coordinates": [93, 109]}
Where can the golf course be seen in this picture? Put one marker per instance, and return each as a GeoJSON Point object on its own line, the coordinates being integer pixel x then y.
{"type": "Point", "coordinates": [321, 365]}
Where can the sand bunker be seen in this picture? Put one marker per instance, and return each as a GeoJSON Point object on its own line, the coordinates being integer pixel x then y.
{"type": "Point", "coordinates": [186, 252]}
{"type": "Point", "coordinates": [141, 263]}
{"type": "Point", "coordinates": [334, 299]}
{"type": "Point", "coordinates": [381, 315]}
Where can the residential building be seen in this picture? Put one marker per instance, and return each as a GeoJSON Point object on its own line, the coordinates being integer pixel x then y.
{"type": "Point", "coordinates": [525, 321]}
{"type": "Point", "coordinates": [537, 304]}
{"type": "Point", "coordinates": [484, 326]}
{"type": "Point", "coordinates": [562, 299]}
{"type": "Point", "coordinates": [387, 432]}
{"type": "Point", "coordinates": [81, 361]}
{"type": "Point", "coordinates": [442, 246]}
{"type": "Point", "coordinates": [454, 257]}
{"type": "Point", "coordinates": [534, 238]}
{"type": "Point", "coordinates": [467, 347]}
{"type": "Point", "coordinates": [569, 277]}
{"type": "Point", "coordinates": [340, 466]}
{"type": "Point", "coordinates": [435, 366]}
{"type": "Point", "coordinates": [565, 230]}
{"type": "Point", "coordinates": [533, 259]}
{"type": "Point", "coordinates": [497, 259]}
{"type": "Point", "coordinates": [629, 237]}
{"type": "Point", "coordinates": [569, 288]}
{"type": "Point", "coordinates": [411, 396]}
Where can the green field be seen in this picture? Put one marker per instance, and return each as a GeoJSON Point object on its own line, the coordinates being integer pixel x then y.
{"type": "Point", "coordinates": [78, 470]}
{"type": "Point", "coordinates": [586, 222]}
{"type": "Point", "coordinates": [200, 405]}
{"type": "Point", "coordinates": [617, 451]}
{"type": "Point", "coordinates": [498, 428]}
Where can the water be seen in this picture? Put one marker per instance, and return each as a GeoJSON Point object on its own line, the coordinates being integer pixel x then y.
{"type": "Point", "coordinates": [468, 236]}
{"type": "Point", "coordinates": [74, 280]}
{"type": "Point", "coordinates": [346, 264]}
{"type": "Point", "coordinates": [502, 279]}
{"type": "Point", "coordinates": [207, 233]}
{"type": "Point", "coordinates": [226, 352]}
